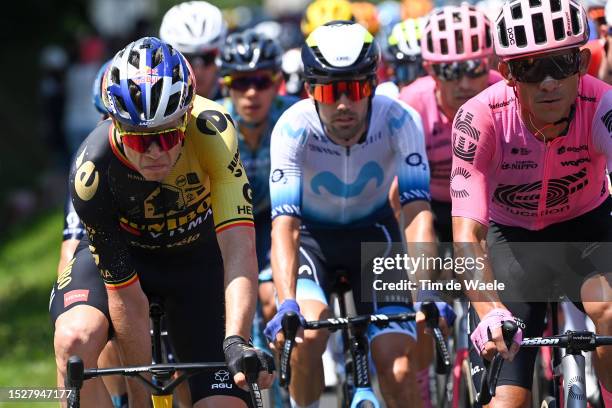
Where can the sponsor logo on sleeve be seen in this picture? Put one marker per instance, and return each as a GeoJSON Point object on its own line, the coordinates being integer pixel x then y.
{"type": "Point", "coordinates": [86, 181]}
{"type": "Point", "coordinates": [466, 137]}
{"type": "Point", "coordinates": [458, 180]}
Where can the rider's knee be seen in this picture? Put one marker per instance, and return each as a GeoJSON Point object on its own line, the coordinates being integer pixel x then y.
{"type": "Point", "coordinates": [391, 359]}
{"type": "Point", "coordinates": [507, 396]}
{"type": "Point", "coordinates": [313, 347]}
{"type": "Point", "coordinates": [80, 332]}
{"type": "Point", "coordinates": [395, 369]}
{"type": "Point", "coordinates": [266, 297]}
{"type": "Point", "coordinates": [601, 314]}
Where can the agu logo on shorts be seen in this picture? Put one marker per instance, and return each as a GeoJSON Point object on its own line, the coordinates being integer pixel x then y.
{"type": "Point", "coordinates": [79, 295]}
{"type": "Point", "coordinates": [222, 376]}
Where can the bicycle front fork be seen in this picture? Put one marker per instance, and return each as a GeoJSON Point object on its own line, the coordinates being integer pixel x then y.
{"type": "Point", "coordinates": [364, 397]}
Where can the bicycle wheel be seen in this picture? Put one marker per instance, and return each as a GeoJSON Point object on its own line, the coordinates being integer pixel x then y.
{"type": "Point", "coordinates": [467, 395]}
{"type": "Point", "coordinates": [549, 402]}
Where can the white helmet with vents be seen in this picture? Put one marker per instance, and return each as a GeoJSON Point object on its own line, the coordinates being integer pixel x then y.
{"type": "Point", "coordinates": [194, 27]}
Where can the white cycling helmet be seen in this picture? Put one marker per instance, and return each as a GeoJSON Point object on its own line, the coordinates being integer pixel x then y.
{"type": "Point", "coordinates": [193, 27]}
{"type": "Point", "coordinates": [526, 27]}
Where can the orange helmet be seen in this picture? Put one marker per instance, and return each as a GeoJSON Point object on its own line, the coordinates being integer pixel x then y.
{"type": "Point", "coordinates": [320, 12]}
{"type": "Point", "coordinates": [366, 14]}
{"type": "Point", "coordinates": [416, 8]}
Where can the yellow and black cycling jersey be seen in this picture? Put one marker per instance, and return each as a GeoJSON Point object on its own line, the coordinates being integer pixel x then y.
{"type": "Point", "coordinates": [122, 212]}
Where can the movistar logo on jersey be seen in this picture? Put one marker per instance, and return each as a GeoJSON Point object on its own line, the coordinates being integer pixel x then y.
{"type": "Point", "coordinates": [291, 132]}
{"type": "Point", "coordinates": [335, 186]}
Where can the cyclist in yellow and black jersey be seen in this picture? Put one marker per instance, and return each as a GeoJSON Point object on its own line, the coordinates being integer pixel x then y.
{"type": "Point", "coordinates": [171, 215]}
{"type": "Point", "coordinates": [167, 210]}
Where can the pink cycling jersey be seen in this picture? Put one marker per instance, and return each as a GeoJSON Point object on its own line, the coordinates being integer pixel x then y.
{"type": "Point", "coordinates": [437, 128]}
{"type": "Point", "coordinates": [502, 172]}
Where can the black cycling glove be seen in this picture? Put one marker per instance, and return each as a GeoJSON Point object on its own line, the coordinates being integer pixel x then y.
{"type": "Point", "coordinates": [234, 348]}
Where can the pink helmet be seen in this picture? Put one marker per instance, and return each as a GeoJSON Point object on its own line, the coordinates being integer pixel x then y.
{"type": "Point", "coordinates": [527, 27]}
{"type": "Point", "coordinates": [456, 33]}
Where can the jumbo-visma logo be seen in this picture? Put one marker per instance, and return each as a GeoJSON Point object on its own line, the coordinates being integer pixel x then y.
{"type": "Point", "coordinates": [335, 186]}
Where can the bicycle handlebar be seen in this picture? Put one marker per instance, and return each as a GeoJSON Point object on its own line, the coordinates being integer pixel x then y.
{"type": "Point", "coordinates": [290, 324]}
{"type": "Point", "coordinates": [574, 341]}
{"type": "Point", "coordinates": [76, 374]}
{"type": "Point", "coordinates": [432, 316]}
{"type": "Point", "coordinates": [492, 370]}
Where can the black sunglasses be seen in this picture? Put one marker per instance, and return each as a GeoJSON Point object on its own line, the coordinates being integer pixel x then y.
{"type": "Point", "coordinates": [206, 59]}
{"type": "Point", "coordinates": [456, 70]}
{"type": "Point", "coordinates": [244, 83]}
{"type": "Point", "coordinates": [534, 70]}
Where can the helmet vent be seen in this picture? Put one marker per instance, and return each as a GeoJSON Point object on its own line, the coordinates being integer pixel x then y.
{"type": "Point", "coordinates": [120, 103]}
{"type": "Point", "coordinates": [189, 94]}
{"type": "Point", "coordinates": [474, 43]}
{"type": "Point", "coordinates": [521, 37]}
{"type": "Point", "coordinates": [575, 20]}
{"type": "Point", "coordinates": [176, 74]}
{"type": "Point", "coordinates": [502, 34]}
{"type": "Point", "coordinates": [157, 57]}
{"type": "Point", "coordinates": [443, 46]}
{"type": "Point", "coordinates": [539, 29]}
{"type": "Point", "coordinates": [555, 5]}
{"type": "Point", "coordinates": [459, 42]}
{"type": "Point", "coordinates": [114, 74]}
{"type": "Point", "coordinates": [320, 56]}
{"type": "Point", "coordinates": [442, 25]}
{"type": "Point", "coordinates": [559, 29]}
{"type": "Point", "coordinates": [488, 39]}
{"type": "Point", "coordinates": [473, 22]}
{"type": "Point", "coordinates": [173, 102]}
{"type": "Point", "coordinates": [156, 91]}
{"type": "Point", "coordinates": [135, 94]}
{"type": "Point", "coordinates": [517, 11]}
{"type": "Point", "coordinates": [134, 58]}
{"type": "Point", "coordinates": [535, 3]}
{"type": "Point", "coordinates": [363, 52]}
{"type": "Point", "coordinates": [456, 17]}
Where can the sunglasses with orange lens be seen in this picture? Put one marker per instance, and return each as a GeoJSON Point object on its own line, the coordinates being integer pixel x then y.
{"type": "Point", "coordinates": [329, 93]}
{"type": "Point", "coordinates": [141, 141]}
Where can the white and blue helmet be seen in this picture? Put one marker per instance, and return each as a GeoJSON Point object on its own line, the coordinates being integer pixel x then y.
{"type": "Point", "coordinates": [148, 84]}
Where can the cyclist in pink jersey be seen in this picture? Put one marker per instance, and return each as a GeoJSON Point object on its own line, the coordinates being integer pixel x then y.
{"type": "Point", "coordinates": [529, 176]}
{"type": "Point", "coordinates": [457, 70]}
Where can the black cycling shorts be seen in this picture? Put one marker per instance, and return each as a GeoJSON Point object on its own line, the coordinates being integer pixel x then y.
{"type": "Point", "coordinates": [443, 223]}
{"type": "Point", "coordinates": [325, 252]}
{"type": "Point", "coordinates": [546, 270]}
{"type": "Point", "coordinates": [192, 289]}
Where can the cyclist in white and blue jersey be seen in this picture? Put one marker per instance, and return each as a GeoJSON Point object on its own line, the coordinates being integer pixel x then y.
{"type": "Point", "coordinates": [334, 156]}
{"type": "Point", "coordinates": [250, 66]}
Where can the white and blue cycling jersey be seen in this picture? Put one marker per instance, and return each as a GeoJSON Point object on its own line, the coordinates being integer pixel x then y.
{"type": "Point", "coordinates": [257, 162]}
{"type": "Point", "coordinates": [328, 185]}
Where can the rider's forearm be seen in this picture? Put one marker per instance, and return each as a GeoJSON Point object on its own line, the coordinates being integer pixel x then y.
{"type": "Point", "coordinates": [66, 253]}
{"type": "Point", "coordinates": [284, 256]}
{"type": "Point", "coordinates": [129, 311]}
{"type": "Point", "coordinates": [469, 237]}
{"type": "Point", "coordinates": [240, 263]}
{"type": "Point", "coordinates": [420, 237]}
